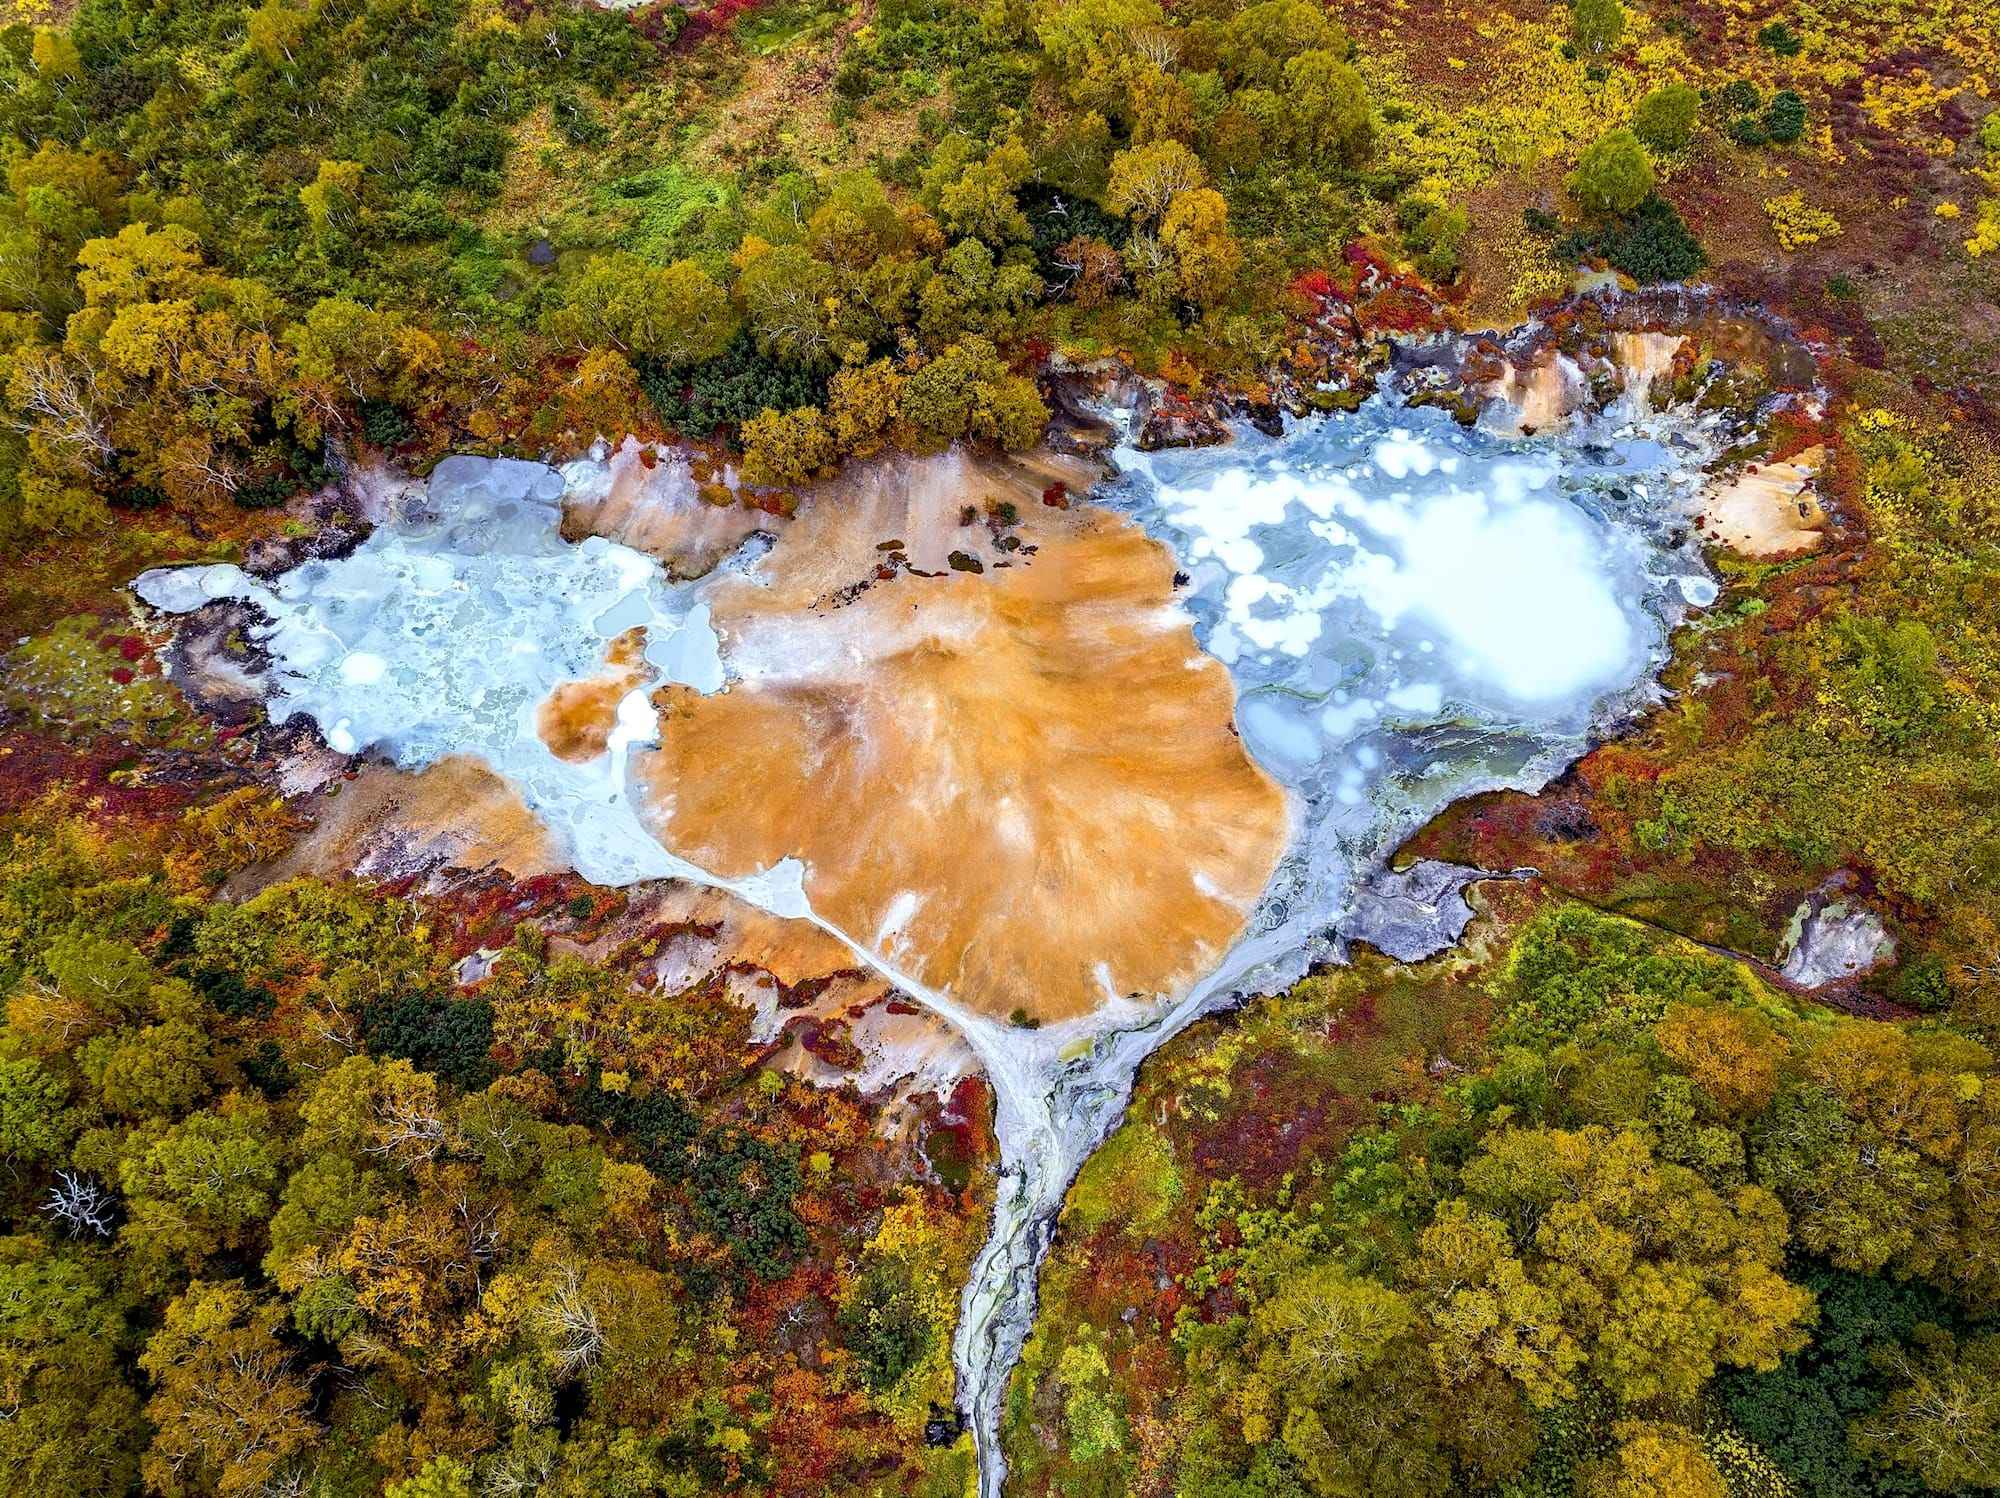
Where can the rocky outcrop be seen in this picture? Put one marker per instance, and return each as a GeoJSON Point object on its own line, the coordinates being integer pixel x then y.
{"type": "Point", "coordinates": [1606, 350]}
{"type": "Point", "coordinates": [1414, 913]}
{"type": "Point", "coordinates": [1168, 417]}
{"type": "Point", "coordinates": [1767, 510]}
{"type": "Point", "coordinates": [1833, 938]}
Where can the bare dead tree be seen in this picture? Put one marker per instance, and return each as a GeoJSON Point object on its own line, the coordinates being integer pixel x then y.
{"type": "Point", "coordinates": [569, 1321]}
{"type": "Point", "coordinates": [1158, 45]}
{"type": "Point", "coordinates": [58, 395]}
{"type": "Point", "coordinates": [80, 1204]}
{"type": "Point", "coordinates": [409, 1127]}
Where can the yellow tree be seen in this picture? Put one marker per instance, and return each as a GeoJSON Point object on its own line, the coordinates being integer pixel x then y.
{"type": "Point", "coordinates": [228, 1410]}
{"type": "Point", "coordinates": [782, 448]}
{"type": "Point", "coordinates": [183, 357]}
{"type": "Point", "coordinates": [675, 313]}
{"type": "Point", "coordinates": [1654, 1458]}
{"type": "Point", "coordinates": [1731, 1056]}
{"type": "Point", "coordinates": [1579, 1248]}
{"type": "Point", "coordinates": [1206, 256]}
{"type": "Point", "coordinates": [863, 407]}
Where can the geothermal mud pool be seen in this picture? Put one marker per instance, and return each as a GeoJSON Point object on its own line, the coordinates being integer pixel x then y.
{"type": "Point", "coordinates": [992, 747]}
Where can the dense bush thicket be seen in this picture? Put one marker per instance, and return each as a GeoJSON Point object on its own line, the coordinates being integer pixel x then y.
{"type": "Point", "coordinates": [285, 1211]}
{"type": "Point", "coordinates": [1665, 1232]}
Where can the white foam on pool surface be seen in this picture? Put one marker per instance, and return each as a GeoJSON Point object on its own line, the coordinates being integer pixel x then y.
{"type": "Point", "coordinates": [1390, 572]}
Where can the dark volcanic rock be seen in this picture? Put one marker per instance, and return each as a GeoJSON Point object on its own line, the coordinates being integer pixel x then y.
{"type": "Point", "coordinates": [1169, 418]}
{"type": "Point", "coordinates": [215, 660]}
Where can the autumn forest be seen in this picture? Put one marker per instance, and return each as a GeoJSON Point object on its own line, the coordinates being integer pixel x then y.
{"type": "Point", "coordinates": [857, 974]}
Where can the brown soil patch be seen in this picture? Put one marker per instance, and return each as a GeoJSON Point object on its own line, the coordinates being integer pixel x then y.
{"type": "Point", "coordinates": [386, 823]}
{"type": "Point", "coordinates": [1767, 511]}
{"type": "Point", "coordinates": [1022, 783]}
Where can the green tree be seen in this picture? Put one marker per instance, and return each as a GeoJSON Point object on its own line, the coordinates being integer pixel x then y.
{"type": "Point", "coordinates": [200, 1186]}
{"type": "Point", "coordinates": [1323, 1329]}
{"type": "Point", "coordinates": [62, 198]}
{"type": "Point", "coordinates": [72, 1425]}
{"type": "Point", "coordinates": [1090, 41]}
{"type": "Point", "coordinates": [1073, 153]}
{"type": "Point", "coordinates": [440, 1477]}
{"type": "Point", "coordinates": [1784, 117]}
{"type": "Point", "coordinates": [359, 353]}
{"type": "Point", "coordinates": [785, 293]}
{"type": "Point", "coordinates": [967, 391]}
{"type": "Point", "coordinates": [1800, 1412]}
{"type": "Point", "coordinates": [1092, 1421]}
{"type": "Point", "coordinates": [332, 201]}
{"type": "Point", "coordinates": [1327, 111]}
{"type": "Point", "coordinates": [321, 1201]}
{"type": "Point", "coordinates": [972, 292]}
{"type": "Point", "coordinates": [1859, 1196]}
{"type": "Point", "coordinates": [972, 191]}
{"type": "Point", "coordinates": [1258, 41]}
{"type": "Point", "coordinates": [113, 977]}
{"type": "Point", "coordinates": [1664, 119]}
{"type": "Point", "coordinates": [36, 1123]}
{"type": "Point", "coordinates": [158, 1071]}
{"type": "Point", "coordinates": [1596, 25]}
{"type": "Point", "coordinates": [673, 313]}
{"type": "Point", "coordinates": [1613, 176]}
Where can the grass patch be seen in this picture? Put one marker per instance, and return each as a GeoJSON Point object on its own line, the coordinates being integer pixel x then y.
{"type": "Point", "coordinates": [771, 28]}
{"type": "Point", "coordinates": [81, 675]}
{"type": "Point", "coordinates": [664, 207]}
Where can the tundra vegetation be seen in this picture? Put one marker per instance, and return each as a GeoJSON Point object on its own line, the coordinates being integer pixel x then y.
{"type": "Point", "coordinates": [1597, 1207]}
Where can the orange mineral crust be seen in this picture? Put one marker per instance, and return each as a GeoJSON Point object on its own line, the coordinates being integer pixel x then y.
{"type": "Point", "coordinates": [992, 741]}
{"type": "Point", "coordinates": [576, 719]}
